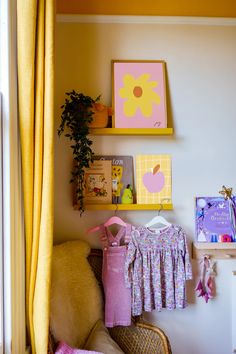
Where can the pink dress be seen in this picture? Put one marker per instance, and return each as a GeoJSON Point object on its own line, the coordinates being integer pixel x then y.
{"type": "Point", "coordinates": [117, 296]}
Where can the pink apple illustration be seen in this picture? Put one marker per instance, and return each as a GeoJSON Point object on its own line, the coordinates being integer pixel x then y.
{"type": "Point", "coordinates": [154, 181]}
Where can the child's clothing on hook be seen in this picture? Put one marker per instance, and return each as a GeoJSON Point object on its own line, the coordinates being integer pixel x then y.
{"type": "Point", "coordinates": [117, 296]}
{"type": "Point", "coordinates": [156, 268]}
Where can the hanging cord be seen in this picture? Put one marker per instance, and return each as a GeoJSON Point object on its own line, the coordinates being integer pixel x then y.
{"type": "Point", "coordinates": [206, 284]}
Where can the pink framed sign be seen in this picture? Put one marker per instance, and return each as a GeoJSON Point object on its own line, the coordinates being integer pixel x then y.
{"type": "Point", "coordinates": [139, 94]}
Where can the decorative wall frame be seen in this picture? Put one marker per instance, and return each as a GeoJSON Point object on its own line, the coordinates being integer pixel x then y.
{"type": "Point", "coordinates": [213, 220]}
{"type": "Point", "coordinates": [139, 94]}
{"type": "Point", "coordinates": [153, 179]}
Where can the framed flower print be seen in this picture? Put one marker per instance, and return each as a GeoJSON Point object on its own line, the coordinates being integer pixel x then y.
{"type": "Point", "coordinates": [139, 94]}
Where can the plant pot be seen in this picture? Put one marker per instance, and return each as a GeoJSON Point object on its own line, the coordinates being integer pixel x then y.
{"type": "Point", "coordinates": [100, 116]}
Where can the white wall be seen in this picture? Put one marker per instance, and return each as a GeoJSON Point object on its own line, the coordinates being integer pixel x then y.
{"type": "Point", "coordinates": [201, 75]}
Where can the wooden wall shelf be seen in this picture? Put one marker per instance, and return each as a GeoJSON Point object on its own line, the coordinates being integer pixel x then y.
{"type": "Point", "coordinates": [220, 250]}
{"type": "Point", "coordinates": [131, 131]}
{"type": "Point", "coordinates": [126, 207]}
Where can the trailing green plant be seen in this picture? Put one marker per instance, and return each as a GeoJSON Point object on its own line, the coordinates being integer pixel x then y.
{"type": "Point", "coordinates": [75, 118]}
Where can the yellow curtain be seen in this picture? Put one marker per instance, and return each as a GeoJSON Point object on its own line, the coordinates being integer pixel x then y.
{"type": "Point", "coordinates": [35, 42]}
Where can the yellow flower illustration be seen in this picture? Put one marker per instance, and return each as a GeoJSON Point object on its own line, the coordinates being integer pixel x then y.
{"type": "Point", "coordinates": [139, 94]}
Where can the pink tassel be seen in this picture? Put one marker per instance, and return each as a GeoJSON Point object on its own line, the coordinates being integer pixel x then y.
{"type": "Point", "coordinates": [206, 284]}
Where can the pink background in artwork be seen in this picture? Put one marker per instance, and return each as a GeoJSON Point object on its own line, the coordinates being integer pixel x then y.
{"type": "Point", "coordinates": [138, 120]}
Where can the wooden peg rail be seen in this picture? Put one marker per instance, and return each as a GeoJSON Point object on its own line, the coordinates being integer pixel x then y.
{"type": "Point", "coordinates": [218, 250]}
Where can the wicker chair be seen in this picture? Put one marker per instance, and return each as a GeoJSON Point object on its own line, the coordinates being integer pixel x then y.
{"type": "Point", "coordinates": [140, 338]}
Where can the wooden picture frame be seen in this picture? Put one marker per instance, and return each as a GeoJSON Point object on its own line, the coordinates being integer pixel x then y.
{"type": "Point", "coordinates": [139, 94]}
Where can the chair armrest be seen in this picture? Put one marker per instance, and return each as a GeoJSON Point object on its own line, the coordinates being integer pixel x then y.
{"type": "Point", "coordinates": [141, 338]}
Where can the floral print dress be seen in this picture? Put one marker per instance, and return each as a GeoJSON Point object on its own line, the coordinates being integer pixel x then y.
{"type": "Point", "coordinates": [157, 266]}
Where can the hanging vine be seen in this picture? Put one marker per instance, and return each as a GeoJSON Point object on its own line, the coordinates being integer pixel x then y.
{"type": "Point", "coordinates": [75, 119]}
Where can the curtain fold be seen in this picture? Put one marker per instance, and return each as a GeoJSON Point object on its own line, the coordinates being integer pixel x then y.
{"type": "Point", "coordinates": [35, 42]}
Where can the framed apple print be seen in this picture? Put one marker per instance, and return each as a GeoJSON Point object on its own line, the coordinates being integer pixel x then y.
{"type": "Point", "coordinates": [153, 175]}
{"type": "Point", "coordinates": [139, 94]}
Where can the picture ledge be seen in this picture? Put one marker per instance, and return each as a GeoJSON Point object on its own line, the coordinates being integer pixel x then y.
{"type": "Point", "coordinates": [219, 250]}
{"type": "Point", "coordinates": [131, 131]}
{"type": "Point", "coordinates": [117, 207]}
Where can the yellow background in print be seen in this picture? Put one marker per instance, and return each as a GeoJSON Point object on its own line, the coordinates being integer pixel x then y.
{"type": "Point", "coordinates": [145, 163]}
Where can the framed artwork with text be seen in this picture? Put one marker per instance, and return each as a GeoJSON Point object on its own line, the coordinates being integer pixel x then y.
{"type": "Point", "coordinates": [139, 94]}
{"type": "Point", "coordinates": [97, 177]}
{"type": "Point", "coordinates": [121, 174]}
{"type": "Point", "coordinates": [213, 220]}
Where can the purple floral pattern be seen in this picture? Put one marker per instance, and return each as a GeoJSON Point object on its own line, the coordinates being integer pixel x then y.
{"type": "Point", "coordinates": [156, 269]}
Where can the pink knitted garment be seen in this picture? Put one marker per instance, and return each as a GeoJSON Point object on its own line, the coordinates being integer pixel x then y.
{"type": "Point", "coordinates": [63, 348]}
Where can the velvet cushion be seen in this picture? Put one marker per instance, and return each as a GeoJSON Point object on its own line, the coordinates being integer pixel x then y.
{"type": "Point", "coordinates": [100, 340]}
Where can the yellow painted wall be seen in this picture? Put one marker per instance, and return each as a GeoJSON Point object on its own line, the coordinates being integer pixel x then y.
{"type": "Point", "coordinates": [208, 8]}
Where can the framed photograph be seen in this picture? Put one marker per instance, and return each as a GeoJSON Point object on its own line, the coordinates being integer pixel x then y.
{"type": "Point", "coordinates": [212, 219]}
{"type": "Point", "coordinates": [153, 174]}
{"type": "Point", "coordinates": [139, 94]}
